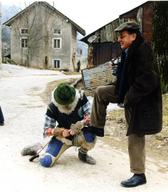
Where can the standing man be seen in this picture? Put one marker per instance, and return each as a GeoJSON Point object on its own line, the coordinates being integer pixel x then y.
{"type": "Point", "coordinates": [78, 66]}
{"type": "Point", "coordinates": [138, 87]}
{"type": "Point", "coordinates": [1, 117]}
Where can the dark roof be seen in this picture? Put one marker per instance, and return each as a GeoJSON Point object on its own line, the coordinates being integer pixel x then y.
{"type": "Point", "coordinates": [45, 4]}
{"type": "Point", "coordinates": [85, 39]}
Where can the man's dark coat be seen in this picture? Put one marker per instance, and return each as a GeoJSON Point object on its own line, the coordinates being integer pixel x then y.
{"type": "Point", "coordinates": [143, 99]}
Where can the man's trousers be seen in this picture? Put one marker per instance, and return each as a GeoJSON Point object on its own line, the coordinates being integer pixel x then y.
{"type": "Point", "coordinates": [136, 145]}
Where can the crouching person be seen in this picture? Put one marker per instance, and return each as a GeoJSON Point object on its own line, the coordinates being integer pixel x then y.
{"type": "Point", "coordinates": [66, 122]}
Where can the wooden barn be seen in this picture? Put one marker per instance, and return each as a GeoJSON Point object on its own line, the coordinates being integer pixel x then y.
{"type": "Point", "coordinates": [103, 44]}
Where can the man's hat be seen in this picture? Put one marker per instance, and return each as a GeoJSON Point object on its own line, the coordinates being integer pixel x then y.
{"type": "Point", "coordinates": [64, 94]}
{"type": "Point", "coordinates": [128, 26]}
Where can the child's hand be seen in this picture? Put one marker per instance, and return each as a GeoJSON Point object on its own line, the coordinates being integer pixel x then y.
{"type": "Point", "coordinates": [87, 120]}
{"type": "Point", "coordinates": [66, 133]}
{"type": "Point", "coordinates": [72, 132]}
{"type": "Point", "coordinates": [49, 132]}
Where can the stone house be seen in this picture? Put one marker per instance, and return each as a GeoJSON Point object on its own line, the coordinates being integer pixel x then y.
{"type": "Point", "coordinates": [43, 37]}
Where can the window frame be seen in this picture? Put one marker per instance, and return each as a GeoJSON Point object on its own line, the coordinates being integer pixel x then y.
{"type": "Point", "coordinates": [56, 64]}
{"type": "Point", "coordinates": [57, 33]}
{"type": "Point", "coordinates": [26, 33]}
{"type": "Point", "coordinates": [53, 43]}
{"type": "Point", "coordinates": [25, 43]}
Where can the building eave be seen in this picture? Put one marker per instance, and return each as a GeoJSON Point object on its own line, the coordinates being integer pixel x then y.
{"type": "Point", "coordinates": [85, 39]}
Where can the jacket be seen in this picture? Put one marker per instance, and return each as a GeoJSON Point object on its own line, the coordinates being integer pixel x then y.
{"type": "Point", "coordinates": [143, 98]}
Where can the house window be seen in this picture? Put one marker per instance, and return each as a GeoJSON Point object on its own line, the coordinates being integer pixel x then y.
{"type": "Point", "coordinates": [57, 43]}
{"type": "Point", "coordinates": [56, 63]}
{"type": "Point", "coordinates": [57, 31]}
{"type": "Point", "coordinates": [24, 31]}
{"type": "Point", "coordinates": [24, 42]}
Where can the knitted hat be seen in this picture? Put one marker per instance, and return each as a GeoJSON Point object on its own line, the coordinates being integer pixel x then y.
{"type": "Point", "coordinates": [64, 94]}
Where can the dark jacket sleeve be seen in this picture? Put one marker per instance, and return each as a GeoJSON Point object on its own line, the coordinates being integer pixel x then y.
{"type": "Point", "coordinates": [52, 111]}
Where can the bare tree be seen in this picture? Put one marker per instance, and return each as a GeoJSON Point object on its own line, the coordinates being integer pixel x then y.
{"type": "Point", "coordinates": [35, 22]}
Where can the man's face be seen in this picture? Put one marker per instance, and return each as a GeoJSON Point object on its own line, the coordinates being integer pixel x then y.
{"type": "Point", "coordinates": [125, 39]}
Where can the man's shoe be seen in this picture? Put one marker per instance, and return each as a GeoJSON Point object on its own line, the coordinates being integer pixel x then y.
{"type": "Point", "coordinates": [1, 123]}
{"type": "Point", "coordinates": [135, 180]}
{"type": "Point", "coordinates": [84, 157]}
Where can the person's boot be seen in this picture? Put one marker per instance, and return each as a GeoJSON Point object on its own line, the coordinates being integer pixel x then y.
{"type": "Point", "coordinates": [2, 123]}
{"type": "Point", "coordinates": [1, 118]}
{"type": "Point", "coordinates": [31, 149]}
{"type": "Point", "coordinates": [84, 157]}
{"type": "Point", "coordinates": [135, 180]}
